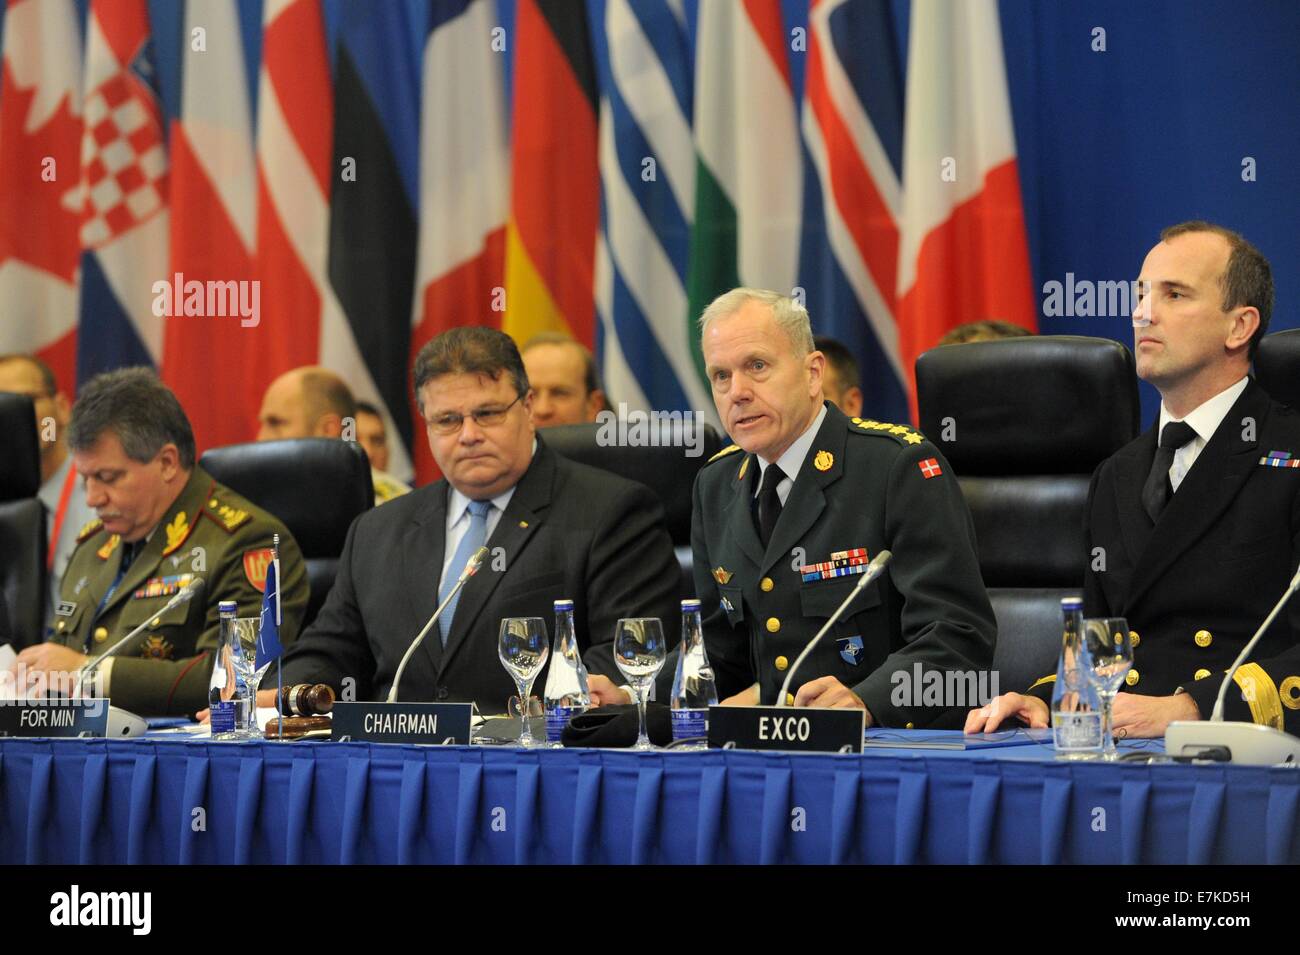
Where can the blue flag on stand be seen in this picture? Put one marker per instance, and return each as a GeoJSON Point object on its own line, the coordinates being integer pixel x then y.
{"type": "Point", "coordinates": [268, 631]}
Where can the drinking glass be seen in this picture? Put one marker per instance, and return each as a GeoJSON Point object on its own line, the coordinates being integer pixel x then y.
{"type": "Point", "coordinates": [523, 647]}
{"type": "Point", "coordinates": [1110, 657]}
{"type": "Point", "coordinates": [639, 652]}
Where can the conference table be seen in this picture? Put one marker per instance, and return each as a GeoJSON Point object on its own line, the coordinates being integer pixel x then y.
{"type": "Point", "coordinates": [170, 798]}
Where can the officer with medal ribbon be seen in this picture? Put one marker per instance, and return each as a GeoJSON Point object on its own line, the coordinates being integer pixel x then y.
{"type": "Point", "coordinates": [162, 522]}
{"type": "Point", "coordinates": [1193, 529]}
{"type": "Point", "coordinates": [787, 517]}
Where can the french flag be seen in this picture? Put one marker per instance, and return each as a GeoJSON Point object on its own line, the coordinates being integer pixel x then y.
{"type": "Point", "coordinates": [963, 253]}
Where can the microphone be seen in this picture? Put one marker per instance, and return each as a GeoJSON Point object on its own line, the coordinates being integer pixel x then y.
{"type": "Point", "coordinates": [874, 570]}
{"type": "Point", "coordinates": [1250, 743]}
{"type": "Point", "coordinates": [188, 592]}
{"type": "Point", "coordinates": [471, 568]}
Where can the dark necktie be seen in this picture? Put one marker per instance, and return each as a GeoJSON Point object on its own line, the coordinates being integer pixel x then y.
{"type": "Point", "coordinates": [1156, 492]}
{"type": "Point", "coordinates": [769, 503]}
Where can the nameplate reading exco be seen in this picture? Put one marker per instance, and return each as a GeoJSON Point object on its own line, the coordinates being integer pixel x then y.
{"type": "Point", "coordinates": [425, 723]}
{"type": "Point", "coordinates": [786, 728]}
{"type": "Point", "coordinates": [55, 717]}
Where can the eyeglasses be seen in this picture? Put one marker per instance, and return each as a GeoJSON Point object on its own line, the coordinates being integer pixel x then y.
{"type": "Point", "coordinates": [449, 424]}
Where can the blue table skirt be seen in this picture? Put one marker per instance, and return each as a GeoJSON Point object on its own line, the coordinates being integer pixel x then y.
{"type": "Point", "coordinates": [97, 801]}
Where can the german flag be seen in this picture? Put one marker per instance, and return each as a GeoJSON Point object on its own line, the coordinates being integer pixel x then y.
{"type": "Point", "coordinates": [555, 181]}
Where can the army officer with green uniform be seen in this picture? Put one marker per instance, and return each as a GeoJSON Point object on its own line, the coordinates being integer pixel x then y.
{"type": "Point", "coordinates": [162, 522]}
{"type": "Point", "coordinates": [784, 521]}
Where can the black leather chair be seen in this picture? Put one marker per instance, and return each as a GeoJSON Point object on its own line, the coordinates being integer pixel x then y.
{"type": "Point", "coordinates": [1024, 422]}
{"type": "Point", "coordinates": [665, 469]}
{"type": "Point", "coordinates": [1277, 366]}
{"type": "Point", "coordinates": [22, 525]}
{"type": "Point", "coordinates": [316, 486]}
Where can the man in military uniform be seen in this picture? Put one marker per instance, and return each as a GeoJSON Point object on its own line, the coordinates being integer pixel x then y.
{"type": "Point", "coordinates": [785, 519]}
{"type": "Point", "coordinates": [1198, 520]}
{"type": "Point", "coordinates": [162, 522]}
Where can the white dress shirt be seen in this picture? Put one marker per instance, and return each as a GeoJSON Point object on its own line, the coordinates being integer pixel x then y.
{"type": "Point", "coordinates": [792, 460]}
{"type": "Point", "coordinates": [1204, 420]}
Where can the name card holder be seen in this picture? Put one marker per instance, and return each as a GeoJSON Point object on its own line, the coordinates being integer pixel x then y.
{"type": "Point", "coordinates": [54, 718]}
{"type": "Point", "coordinates": [428, 724]}
{"type": "Point", "coordinates": [784, 728]}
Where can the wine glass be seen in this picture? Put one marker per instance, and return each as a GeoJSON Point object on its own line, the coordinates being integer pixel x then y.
{"type": "Point", "coordinates": [1110, 657]}
{"type": "Point", "coordinates": [243, 660]}
{"type": "Point", "coordinates": [639, 652]}
{"type": "Point", "coordinates": [523, 647]}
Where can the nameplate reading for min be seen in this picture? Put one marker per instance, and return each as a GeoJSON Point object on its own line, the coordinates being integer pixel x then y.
{"type": "Point", "coordinates": [55, 717]}
{"type": "Point", "coordinates": [424, 723]}
{"type": "Point", "coordinates": [786, 728]}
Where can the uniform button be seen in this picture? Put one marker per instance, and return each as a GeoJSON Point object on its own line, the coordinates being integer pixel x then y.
{"type": "Point", "coordinates": [154, 623]}
{"type": "Point", "coordinates": [773, 625]}
{"type": "Point", "coordinates": [442, 693]}
{"type": "Point", "coordinates": [101, 634]}
{"type": "Point", "coordinates": [1132, 678]}
{"type": "Point", "coordinates": [1202, 673]}
{"type": "Point", "coordinates": [1203, 638]}
{"type": "Point", "coordinates": [789, 699]}
{"type": "Point", "coordinates": [766, 585]}
{"type": "Point", "coordinates": [61, 626]}
{"type": "Point", "coordinates": [908, 726]}
{"type": "Point", "coordinates": [1133, 635]}
{"type": "Point", "coordinates": [782, 663]}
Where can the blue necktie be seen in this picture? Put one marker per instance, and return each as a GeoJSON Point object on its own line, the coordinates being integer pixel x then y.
{"type": "Point", "coordinates": [474, 539]}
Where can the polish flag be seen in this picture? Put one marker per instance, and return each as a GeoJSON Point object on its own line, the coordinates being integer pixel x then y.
{"type": "Point", "coordinates": [963, 254]}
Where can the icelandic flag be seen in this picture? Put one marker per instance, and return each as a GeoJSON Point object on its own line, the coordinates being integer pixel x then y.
{"type": "Point", "coordinates": [268, 630]}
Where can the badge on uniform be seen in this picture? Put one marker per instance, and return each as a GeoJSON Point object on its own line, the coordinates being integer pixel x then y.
{"type": "Point", "coordinates": [66, 608]}
{"type": "Point", "coordinates": [843, 563]}
{"type": "Point", "coordinates": [722, 575]}
{"type": "Point", "coordinates": [726, 605]}
{"type": "Point", "coordinates": [1279, 459]}
{"type": "Point", "coordinates": [850, 647]}
{"type": "Point", "coordinates": [930, 467]}
{"type": "Point", "coordinates": [255, 564]}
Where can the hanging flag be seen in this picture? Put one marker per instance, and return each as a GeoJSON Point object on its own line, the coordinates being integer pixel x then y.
{"type": "Point", "coordinates": [963, 254]}
{"type": "Point", "coordinates": [209, 359]}
{"type": "Point", "coordinates": [554, 201]}
{"type": "Point", "coordinates": [464, 189]}
{"type": "Point", "coordinates": [123, 192]}
{"type": "Point", "coordinates": [268, 628]}
{"type": "Point", "coordinates": [40, 141]}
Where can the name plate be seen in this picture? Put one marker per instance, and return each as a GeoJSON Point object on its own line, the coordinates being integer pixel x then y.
{"type": "Point", "coordinates": [54, 718]}
{"type": "Point", "coordinates": [424, 723]}
{"type": "Point", "coordinates": [786, 728]}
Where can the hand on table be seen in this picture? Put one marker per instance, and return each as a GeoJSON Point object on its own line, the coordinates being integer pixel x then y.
{"type": "Point", "coordinates": [265, 698]}
{"type": "Point", "coordinates": [829, 693]}
{"type": "Point", "coordinates": [1028, 709]}
{"type": "Point", "coordinates": [603, 691]}
{"type": "Point", "coordinates": [1143, 717]}
{"type": "Point", "coordinates": [56, 663]}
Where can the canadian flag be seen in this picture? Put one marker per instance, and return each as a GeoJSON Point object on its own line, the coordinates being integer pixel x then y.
{"type": "Point", "coordinates": [963, 254]}
{"type": "Point", "coordinates": [40, 142]}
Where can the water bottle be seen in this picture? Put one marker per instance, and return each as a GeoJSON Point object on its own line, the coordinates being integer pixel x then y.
{"type": "Point", "coordinates": [694, 689]}
{"type": "Point", "coordinates": [223, 685]}
{"type": "Point", "coordinates": [566, 693]}
{"type": "Point", "coordinates": [1076, 708]}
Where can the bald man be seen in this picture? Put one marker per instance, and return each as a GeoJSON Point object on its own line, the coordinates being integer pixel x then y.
{"type": "Point", "coordinates": [314, 402]}
{"type": "Point", "coordinates": [566, 388]}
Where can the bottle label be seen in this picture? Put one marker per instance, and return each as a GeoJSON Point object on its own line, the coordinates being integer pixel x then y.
{"type": "Point", "coordinates": [690, 724]}
{"type": "Point", "coordinates": [557, 717]}
{"type": "Point", "coordinates": [1077, 732]}
{"type": "Point", "coordinates": [222, 717]}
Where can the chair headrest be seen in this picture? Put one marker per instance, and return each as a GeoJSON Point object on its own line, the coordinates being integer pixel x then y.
{"type": "Point", "coordinates": [1277, 366]}
{"type": "Point", "coordinates": [1051, 404]}
{"type": "Point", "coordinates": [20, 465]}
{"type": "Point", "coordinates": [668, 468]}
{"type": "Point", "coordinates": [316, 486]}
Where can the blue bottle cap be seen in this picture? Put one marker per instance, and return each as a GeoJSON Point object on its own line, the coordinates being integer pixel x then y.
{"type": "Point", "coordinates": [1071, 603]}
{"type": "Point", "coordinates": [227, 606]}
{"type": "Point", "coordinates": [690, 603]}
{"type": "Point", "coordinates": [564, 603]}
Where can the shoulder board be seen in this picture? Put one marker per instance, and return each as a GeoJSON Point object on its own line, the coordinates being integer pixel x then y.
{"type": "Point", "coordinates": [899, 432]}
{"type": "Point", "coordinates": [226, 516]}
{"type": "Point", "coordinates": [89, 530]}
{"type": "Point", "coordinates": [729, 449]}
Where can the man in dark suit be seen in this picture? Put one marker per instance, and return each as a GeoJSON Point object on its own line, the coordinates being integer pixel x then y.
{"type": "Point", "coordinates": [553, 528]}
{"type": "Point", "coordinates": [785, 518]}
{"type": "Point", "coordinates": [1193, 530]}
